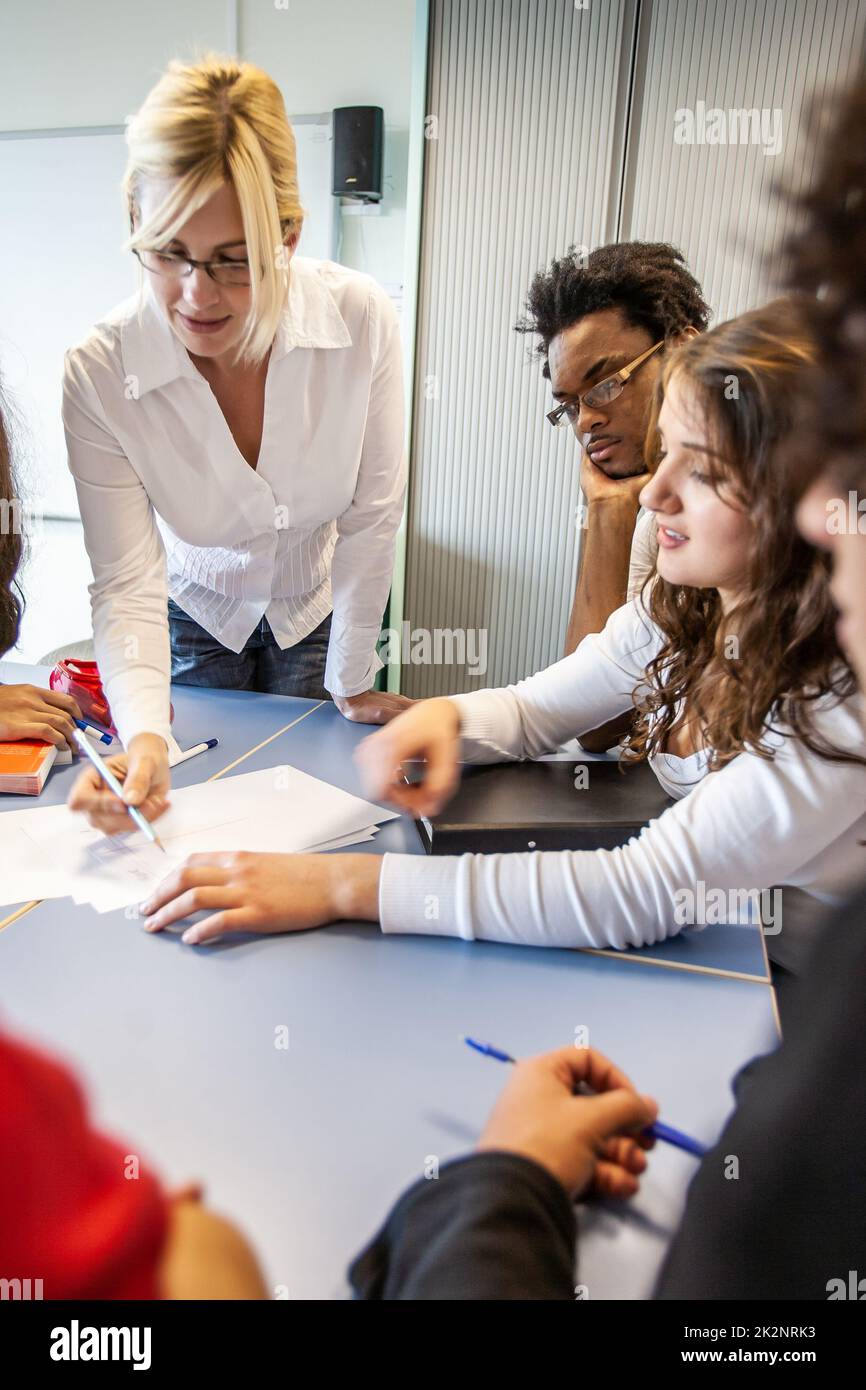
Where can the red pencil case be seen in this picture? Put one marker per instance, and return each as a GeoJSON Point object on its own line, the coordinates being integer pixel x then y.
{"type": "Point", "coordinates": [80, 679]}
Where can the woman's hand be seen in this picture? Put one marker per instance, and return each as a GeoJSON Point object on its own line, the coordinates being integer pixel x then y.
{"type": "Point", "coordinates": [26, 711]}
{"type": "Point", "coordinates": [144, 772]}
{"type": "Point", "coordinates": [590, 1142]}
{"type": "Point", "coordinates": [372, 707]}
{"type": "Point", "coordinates": [265, 893]}
{"type": "Point", "coordinates": [429, 731]}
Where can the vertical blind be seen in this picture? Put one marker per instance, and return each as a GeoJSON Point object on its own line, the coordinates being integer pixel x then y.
{"type": "Point", "coordinates": [527, 98]}
{"type": "Point", "coordinates": [552, 125]}
{"type": "Point", "coordinates": [717, 201]}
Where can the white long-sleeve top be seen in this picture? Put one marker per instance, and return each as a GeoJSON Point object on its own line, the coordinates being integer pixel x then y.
{"type": "Point", "coordinates": [170, 505]}
{"type": "Point", "coordinates": [754, 824]}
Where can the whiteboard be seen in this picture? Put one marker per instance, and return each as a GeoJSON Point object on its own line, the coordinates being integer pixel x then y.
{"type": "Point", "coordinates": [62, 268]}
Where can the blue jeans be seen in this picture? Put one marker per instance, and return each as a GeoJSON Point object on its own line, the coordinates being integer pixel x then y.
{"type": "Point", "coordinates": [199, 659]}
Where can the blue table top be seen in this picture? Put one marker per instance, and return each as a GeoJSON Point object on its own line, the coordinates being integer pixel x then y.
{"type": "Point", "coordinates": [307, 1147]}
{"type": "Point", "coordinates": [323, 745]}
{"type": "Point", "coordinates": [314, 736]}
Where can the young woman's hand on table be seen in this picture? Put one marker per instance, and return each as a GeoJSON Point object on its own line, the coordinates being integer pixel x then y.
{"type": "Point", "coordinates": [272, 893]}
{"type": "Point", "coordinates": [590, 1143]}
{"type": "Point", "coordinates": [428, 732]}
{"type": "Point", "coordinates": [28, 711]}
{"type": "Point", "coordinates": [372, 707]}
{"type": "Point", "coordinates": [143, 769]}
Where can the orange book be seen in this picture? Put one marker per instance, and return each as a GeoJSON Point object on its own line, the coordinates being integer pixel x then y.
{"type": "Point", "coordinates": [24, 766]}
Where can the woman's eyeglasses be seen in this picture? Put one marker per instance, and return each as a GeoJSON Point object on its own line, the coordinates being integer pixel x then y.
{"type": "Point", "coordinates": [601, 394]}
{"type": "Point", "coordinates": [177, 267]}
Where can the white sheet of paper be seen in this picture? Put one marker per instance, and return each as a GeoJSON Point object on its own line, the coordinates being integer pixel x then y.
{"type": "Point", "coordinates": [53, 853]}
{"type": "Point", "coordinates": [127, 875]}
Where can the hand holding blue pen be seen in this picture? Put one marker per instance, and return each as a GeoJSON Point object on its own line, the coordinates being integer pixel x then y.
{"type": "Point", "coordinates": [667, 1133]}
{"type": "Point", "coordinates": [111, 781]}
{"type": "Point", "coordinates": [591, 1143]}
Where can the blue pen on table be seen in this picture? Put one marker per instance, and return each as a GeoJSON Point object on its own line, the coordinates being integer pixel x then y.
{"type": "Point", "coordinates": [109, 778]}
{"type": "Point", "coordinates": [84, 726]}
{"type": "Point", "coordinates": [193, 752]}
{"type": "Point", "coordinates": [657, 1130]}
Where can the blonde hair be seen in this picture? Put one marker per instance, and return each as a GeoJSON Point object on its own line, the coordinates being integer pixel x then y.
{"type": "Point", "coordinates": [213, 122]}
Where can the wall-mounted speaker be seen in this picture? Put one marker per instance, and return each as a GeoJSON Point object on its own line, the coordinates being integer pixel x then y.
{"type": "Point", "coordinates": [359, 133]}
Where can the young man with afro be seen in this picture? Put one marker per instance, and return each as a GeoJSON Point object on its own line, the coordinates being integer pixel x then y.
{"type": "Point", "coordinates": [603, 322]}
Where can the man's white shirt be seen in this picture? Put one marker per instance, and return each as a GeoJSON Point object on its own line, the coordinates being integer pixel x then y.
{"type": "Point", "coordinates": [644, 551]}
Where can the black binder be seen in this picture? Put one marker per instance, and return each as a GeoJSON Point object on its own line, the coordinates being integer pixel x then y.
{"type": "Point", "coordinates": [507, 807]}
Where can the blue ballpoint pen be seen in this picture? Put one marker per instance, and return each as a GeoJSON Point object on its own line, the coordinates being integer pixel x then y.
{"type": "Point", "coordinates": [108, 777]}
{"type": "Point", "coordinates": [657, 1130]}
{"type": "Point", "coordinates": [84, 726]}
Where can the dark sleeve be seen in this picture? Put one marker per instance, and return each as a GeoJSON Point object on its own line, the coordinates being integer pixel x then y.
{"type": "Point", "coordinates": [777, 1210]}
{"type": "Point", "coordinates": [491, 1226]}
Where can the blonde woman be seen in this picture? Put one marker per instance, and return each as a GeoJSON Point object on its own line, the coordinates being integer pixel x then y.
{"type": "Point", "coordinates": [235, 431]}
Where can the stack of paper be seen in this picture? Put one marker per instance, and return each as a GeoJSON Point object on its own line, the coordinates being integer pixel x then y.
{"type": "Point", "coordinates": [51, 853]}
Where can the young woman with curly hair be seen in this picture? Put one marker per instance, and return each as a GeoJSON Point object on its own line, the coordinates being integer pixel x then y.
{"type": "Point", "coordinates": [747, 712]}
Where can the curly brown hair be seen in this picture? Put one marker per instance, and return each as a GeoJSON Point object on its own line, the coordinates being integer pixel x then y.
{"type": "Point", "coordinates": [786, 653]}
{"type": "Point", "coordinates": [11, 545]}
{"type": "Point", "coordinates": [827, 260]}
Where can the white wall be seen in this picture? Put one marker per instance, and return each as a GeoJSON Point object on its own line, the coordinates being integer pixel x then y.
{"type": "Point", "coordinates": [90, 62]}
{"type": "Point", "coordinates": [327, 53]}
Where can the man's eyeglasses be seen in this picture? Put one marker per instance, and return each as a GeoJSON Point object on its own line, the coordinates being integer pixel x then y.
{"type": "Point", "coordinates": [177, 267]}
{"type": "Point", "coordinates": [601, 394]}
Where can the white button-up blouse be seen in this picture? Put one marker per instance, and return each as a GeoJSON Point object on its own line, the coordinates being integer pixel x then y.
{"type": "Point", "coordinates": [170, 505]}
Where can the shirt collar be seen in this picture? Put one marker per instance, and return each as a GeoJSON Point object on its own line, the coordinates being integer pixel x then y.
{"type": "Point", "coordinates": [311, 318]}
{"type": "Point", "coordinates": [153, 356]}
